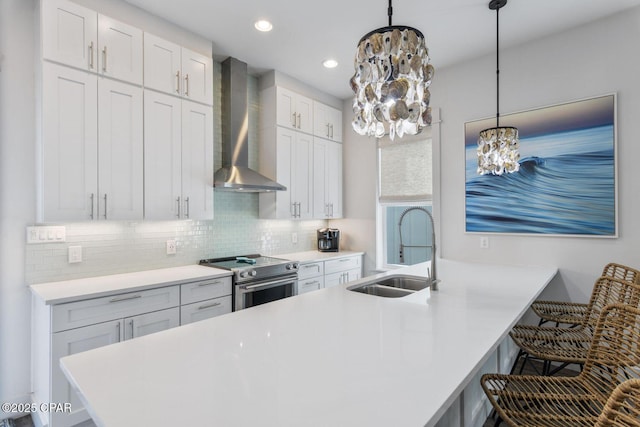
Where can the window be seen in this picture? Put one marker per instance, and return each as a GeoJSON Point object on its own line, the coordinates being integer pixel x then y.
{"type": "Point", "coordinates": [405, 197]}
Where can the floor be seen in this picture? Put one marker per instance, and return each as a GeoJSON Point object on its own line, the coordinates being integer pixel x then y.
{"type": "Point", "coordinates": [530, 368]}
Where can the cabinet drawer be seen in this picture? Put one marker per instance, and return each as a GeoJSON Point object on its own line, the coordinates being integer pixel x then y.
{"type": "Point", "coordinates": [308, 285]}
{"type": "Point", "coordinates": [341, 277]}
{"type": "Point", "coordinates": [311, 269]}
{"type": "Point", "coordinates": [205, 289]}
{"type": "Point", "coordinates": [342, 264]}
{"type": "Point", "coordinates": [205, 309]}
{"type": "Point", "coordinates": [88, 312]}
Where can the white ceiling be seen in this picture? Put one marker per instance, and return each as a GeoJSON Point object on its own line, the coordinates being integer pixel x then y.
{"type": "Point", "coordinates": [307, 32]}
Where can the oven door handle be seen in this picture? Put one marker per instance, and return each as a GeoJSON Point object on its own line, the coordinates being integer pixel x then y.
{"type": "Point", "coordinates": [266, 285]}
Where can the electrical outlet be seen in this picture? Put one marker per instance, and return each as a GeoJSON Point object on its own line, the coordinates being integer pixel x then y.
{"type": "Point", "coordinates": [484, 242]}
{"type": "Point", "coordinates": [171, 247]}
{"type": "Point", "coordinates": [75, 254]}
{"type": "Point", "coordinates": [294, 237]}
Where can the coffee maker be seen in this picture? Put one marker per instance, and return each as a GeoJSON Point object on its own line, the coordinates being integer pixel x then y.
{"type": "Point", "coordinates": [328, 239]}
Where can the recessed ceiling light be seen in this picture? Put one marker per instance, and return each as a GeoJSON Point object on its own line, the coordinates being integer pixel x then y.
{"type": "Point", "coordinates": [263, 25]}
{"type": "Point", "coordinates": [330, 63]}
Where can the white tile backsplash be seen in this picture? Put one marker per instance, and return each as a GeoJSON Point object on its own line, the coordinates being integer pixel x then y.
{"type": "Point", "coordinates": [120, 246]}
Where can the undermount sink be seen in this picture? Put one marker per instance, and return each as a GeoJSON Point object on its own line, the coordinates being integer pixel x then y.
{"type": "Point", "coordinates": [395, 286]}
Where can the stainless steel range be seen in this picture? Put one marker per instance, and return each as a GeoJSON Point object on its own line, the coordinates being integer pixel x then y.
{"type": "Point", "coordinates": [258, 279]}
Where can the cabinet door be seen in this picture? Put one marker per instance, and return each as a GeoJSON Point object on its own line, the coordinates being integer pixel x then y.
{"type": "Point", "coordinates": [197, 77]}
{"type": "Point", "coordinates": [69, 144]}
{"type": "Point", "coordinates": [120, 151]}
{"type": "Point", "coordinates": [284, 199]}
{"type": "Point", "coordinates": [162, 156]}
{"type": "Point", "coordinates": [320, 168]}
{"type": "Point", "coordinates": [162, 65]}
{"type": "Point", "coordinates": [327, 122]}
{"type": "Point", "coordinates": [205, 309]}
{"type": "Point", "coordinates": [333, 179]}
{"type": "Point", "coordinates": [321, 125]}
{"type": "Point", "coordinates": [149, 323]}
{"type": "Point", "coordinates": [302, 175]}
{"type": "Point", "coordinates": [304, 111]}
{"type": "Point", "coordinates": [197, 161]}
{"type": "Point", "coordinates": [335, 121]}
{"type": "Point", "coordinates": [120, 50]}
{"type": "Point", "coordinates": [69, 34]}
{"type": "Point", "coordinates": [71, 342]}
{"type": "Point", "coordinates": [286, 108]}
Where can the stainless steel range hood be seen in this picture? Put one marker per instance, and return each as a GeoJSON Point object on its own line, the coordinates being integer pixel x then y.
{"type": "Point", "coordinates": [235, 174]}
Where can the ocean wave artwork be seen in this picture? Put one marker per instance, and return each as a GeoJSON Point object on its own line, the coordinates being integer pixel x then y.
{"type": "Point", "coordinates": [565, 185]}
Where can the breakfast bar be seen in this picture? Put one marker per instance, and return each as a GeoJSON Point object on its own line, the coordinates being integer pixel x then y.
{"type": "Point", "coordinates": [331, 357]}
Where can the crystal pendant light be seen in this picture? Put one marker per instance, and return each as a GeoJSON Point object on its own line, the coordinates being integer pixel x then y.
{"type": "Point", "coordinates": [498, 146]}
{"type": "Point", "coordinates": [391, 80]}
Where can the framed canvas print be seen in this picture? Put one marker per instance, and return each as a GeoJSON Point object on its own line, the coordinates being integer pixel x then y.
{"type": "Point", "coordinates": [566, 184]}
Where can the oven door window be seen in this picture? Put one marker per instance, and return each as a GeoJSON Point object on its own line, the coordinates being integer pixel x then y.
{"type": "Point", "coordinates": [267, 295]}
{"type": "Point", "coordinates": [256, 294]}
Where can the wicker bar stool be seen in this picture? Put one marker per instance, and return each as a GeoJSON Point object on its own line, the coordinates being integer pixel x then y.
{"type": "Point", "coordinates": [573, 313]}
{"type": "Point", "coordinates": [570, 344]}
{"type": "Point", "coordinates": [613, 358]}
{"type": "Point", "coordinates": [623, 407]}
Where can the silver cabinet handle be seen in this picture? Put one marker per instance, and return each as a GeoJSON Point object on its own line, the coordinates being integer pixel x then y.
{"type": "Point", "coordinates": [118, 331]}
{"type": "Point", "coordinates": [299, 120]}
{"type": "Point", "coordinates": [118, 299]}
{"type": "Point", "coordinates": [178, 202]}
{"type": "Point", "coordinates": [186, 84]}
{"type": "Point", "coordinates": [91, 55]}
{"type": "Point", "coordinates": [213, 304]}
{"type": "Point", "coordinates": [104, 59]}
{"type": "Point", "coordinates": [105, 205]}
{"type": "Point", "coordinates": [331, 209]}
{"type": "Point", "coordinates": [328, 130]}
{"type": "Point", "coordinates": [216, 282]}
{"type": "Point", "coordinates": [186, 207]}
{"type": "Point", "coordinates": [178, 81]}
{"type": "Point", "coordinates": [294, 120]}
{"type": "Point", "coordinates": [132, 328]}
{"type": "Point", "coordinates": [332, 131]}
{"type": "Point", "coordinates": [91, 199]}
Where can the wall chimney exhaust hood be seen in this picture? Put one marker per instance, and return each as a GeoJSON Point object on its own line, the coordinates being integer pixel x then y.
{"type": "Point", "coordinates": [235, 174]}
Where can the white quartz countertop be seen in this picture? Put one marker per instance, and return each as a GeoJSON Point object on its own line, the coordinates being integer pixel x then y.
{"type": "Point", "coordinates": [94, 287]}
{"type": "Point", "coordinates": [311, 256]}
{"type": "Point", "coordinates": [332, 357]}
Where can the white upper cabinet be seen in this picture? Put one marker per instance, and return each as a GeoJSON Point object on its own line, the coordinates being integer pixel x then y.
{"type": "Point", "coordinates": [162, 156]}
{"type": "Point", "coordinates": [79, 37]}
{"type": "Point", "coordinates": [294, 111]}
{"type": "Point", "coordinates": [197, 160]}
{"type": "Point", "coordinates": [120, 50]}
{"type": "Point", "coordinates": [69, 144]}
{"type": "Point", "coordinates": [178, 158]}
{"type": "Point", "coordinates": [69, 34]}
{"type": "Point", "coordinates": [327, 179]}
{"type": "Point", "coordinates": [120, 151]}
{"type": "Point", "coordinates": [176, 70]}
{"type": "Point", "coordinates": [327, 122]}
{"type": "Point", "coordinates": [92, 147]}
{"type": "Point", "coordinates": [291, 153]}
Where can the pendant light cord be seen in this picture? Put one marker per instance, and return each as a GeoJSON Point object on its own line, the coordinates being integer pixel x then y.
{"type": "Point", "coordinates": [390, 12]}
{"type": "Point", "coordinates": [497, 67]}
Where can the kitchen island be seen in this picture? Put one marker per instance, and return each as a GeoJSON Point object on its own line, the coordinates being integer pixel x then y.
{"type": "Point", "coordinates": [327, 358]}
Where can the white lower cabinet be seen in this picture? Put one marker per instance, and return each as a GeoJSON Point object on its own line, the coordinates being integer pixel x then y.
{"type": "Point", "coordinates": [64, 329]}
{"type": "Point", "coordinates": [314, 275]}
{"type": "Point", "coordinates": [205, 299]}
{"type": "Point", "coordinates": [205, 309]}
{"type": "Point", "coordinates": [342, 277]}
